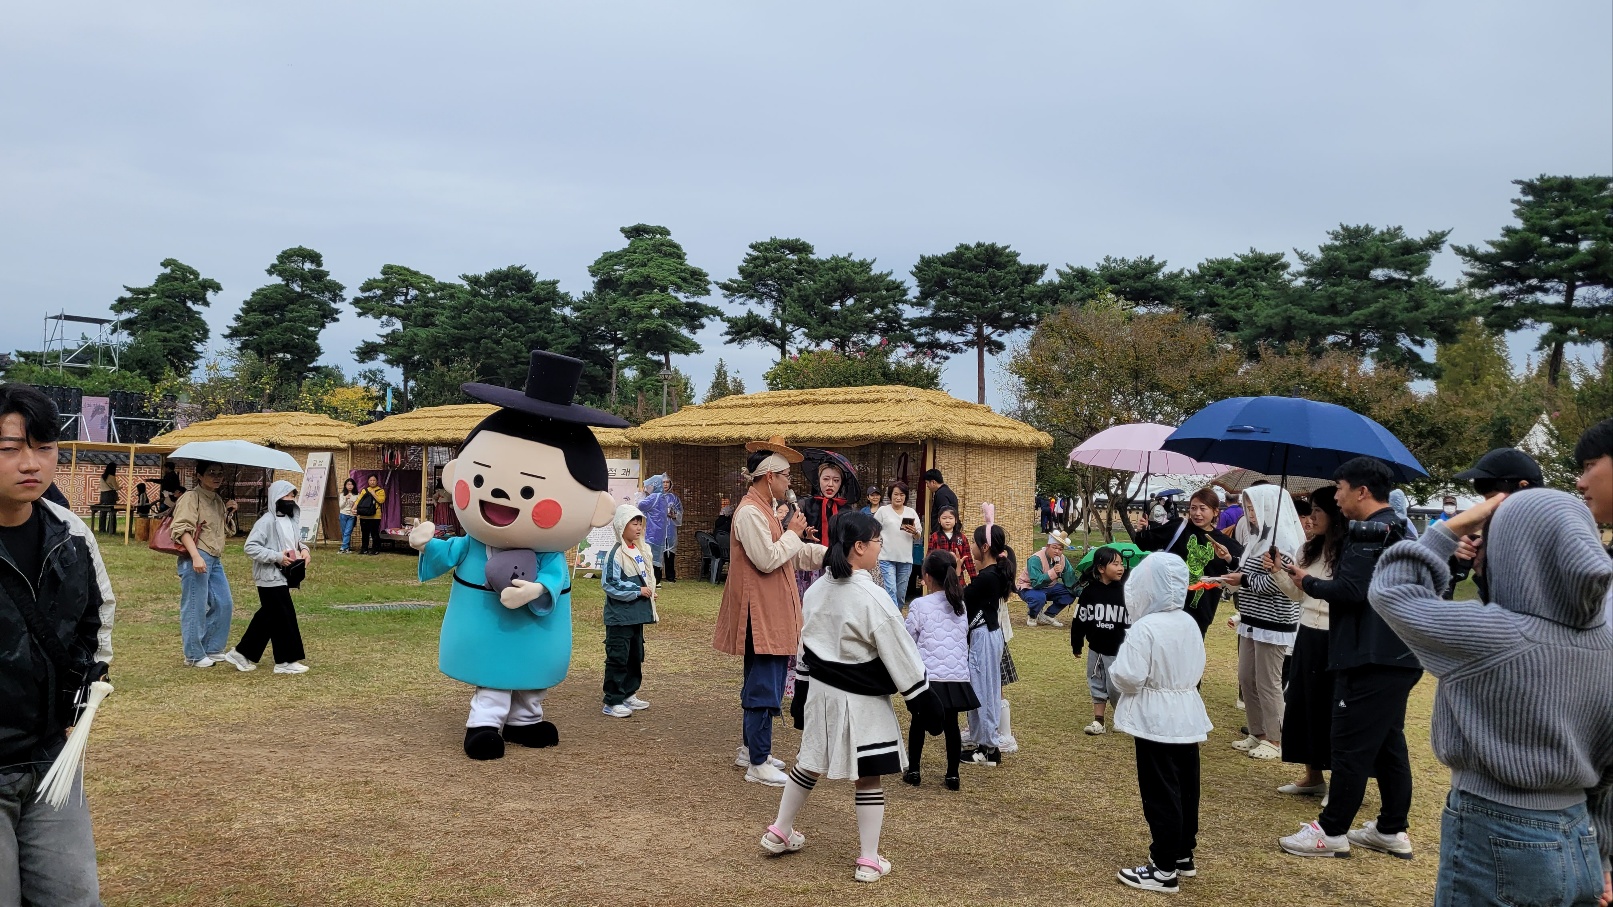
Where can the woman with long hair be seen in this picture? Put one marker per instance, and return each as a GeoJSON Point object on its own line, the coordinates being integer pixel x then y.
{"type": "Point", "coordinates": [983, 602]}
{"type": "Point", "coordinates": [855, 653]}
{"type": "Point", "coordinates": [107, 503]}
{"type": "Point", "coordinates": [899, 527]}
{"type": "Point", "coordinates": [347, 512]}
{"type": "Point", "coordinates": [1308, 701]}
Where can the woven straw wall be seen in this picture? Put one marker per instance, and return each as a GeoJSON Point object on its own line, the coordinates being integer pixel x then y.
{"type": "Point", "coordinates": [1004, 477]}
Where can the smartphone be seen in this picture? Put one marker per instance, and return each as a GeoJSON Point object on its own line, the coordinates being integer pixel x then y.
{"type": "Point", "coordinates": [909, 521]}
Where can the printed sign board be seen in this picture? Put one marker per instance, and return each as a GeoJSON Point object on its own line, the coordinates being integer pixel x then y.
{"type": "Point", "coordinates": [311, 497]}
{"type": "Point", "coordinates": [624, 489]}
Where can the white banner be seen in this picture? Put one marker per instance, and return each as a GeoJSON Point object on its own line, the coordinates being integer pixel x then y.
{"type": "Point", "coordinates": [624, 489]}
{"type": "Point", "coordinates": [311, 498]}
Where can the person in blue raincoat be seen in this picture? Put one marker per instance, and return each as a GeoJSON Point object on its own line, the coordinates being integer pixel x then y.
{"type": "Point", "coordinates": [663, 514]}
{"type": "Point", "coordinates": [528, 484]}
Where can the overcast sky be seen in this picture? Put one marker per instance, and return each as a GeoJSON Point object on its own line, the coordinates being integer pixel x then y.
{"type": "Point", "coordinates": [461, 137]}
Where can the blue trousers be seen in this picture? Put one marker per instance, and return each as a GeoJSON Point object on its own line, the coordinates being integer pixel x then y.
{"type": "Point", "coordinates": [1495, 854]}
{"type": "Point", "coordinates": [894, 576]}
{"type": "Point", "coordinates": [761, 696]}
{"type": "Point", "coordinates": [986, 676]}
{"type": "Point", "coordinates": [348, 522]}
{"type": "Point", "coordinates": [205, 608]}
{"type": "Point", "coordinates": [1055, 598]}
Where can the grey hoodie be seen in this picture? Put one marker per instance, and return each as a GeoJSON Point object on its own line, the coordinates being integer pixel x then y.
{"type": "Point", "coordinates": [272, 536]}
{"type": "Point", "coordinates": [1523, 714]}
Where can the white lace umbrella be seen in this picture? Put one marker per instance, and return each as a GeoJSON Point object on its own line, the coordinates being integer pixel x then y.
{"type": "Point", "coordinates": [236, 453]}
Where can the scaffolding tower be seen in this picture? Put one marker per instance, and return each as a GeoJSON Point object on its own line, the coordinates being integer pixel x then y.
{"type": "Point", "coordinates": [99, 351]}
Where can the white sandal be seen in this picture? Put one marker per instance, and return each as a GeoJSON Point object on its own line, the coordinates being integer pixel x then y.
{"type": "Point", "coordinates": [872, 870]}
{"type": "Point", "coordinates": [781, 842]}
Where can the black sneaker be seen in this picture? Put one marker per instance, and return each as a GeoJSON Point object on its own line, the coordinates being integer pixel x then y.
{"type": "Point", "coordinates": [951, 781]}
{"type": "Point", "coordinates": [911, 776]}
{"type": "Point", "coordinates": [1186, 868]}
{"type": "Point", "coordinates": [989, 756]}
{"type": "Point", "coordinates": [1149, 878]}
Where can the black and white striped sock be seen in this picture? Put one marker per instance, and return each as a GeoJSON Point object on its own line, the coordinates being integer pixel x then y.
{"type": "Point", "coordinates": [870, 819]}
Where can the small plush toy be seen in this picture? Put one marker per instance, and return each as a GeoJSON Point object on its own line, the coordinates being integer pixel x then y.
{"type": "Point", "coordinates": [528, 484]}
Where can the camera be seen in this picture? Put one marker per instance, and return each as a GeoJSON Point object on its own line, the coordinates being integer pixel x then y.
{"type": "Point", "coordinates": [1372, 532]}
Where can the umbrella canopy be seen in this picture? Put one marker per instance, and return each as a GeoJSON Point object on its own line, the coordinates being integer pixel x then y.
{"type": "Point", "coordinates": [1136, 448]}
{"type": "Point", "coordinates": [1236, 480]}
{"type": "Point", "coordinates": [1289, 436]}
{"type": "Point", "coordinates": [236, 453]}
{"type": "Point", "coordinates": [1129, 553]}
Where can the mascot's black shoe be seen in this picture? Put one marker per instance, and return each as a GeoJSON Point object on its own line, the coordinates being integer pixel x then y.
{"type": "Point", "coordinates": [537, 735]}
{"type": "Point", "coordinates": [483, 743]}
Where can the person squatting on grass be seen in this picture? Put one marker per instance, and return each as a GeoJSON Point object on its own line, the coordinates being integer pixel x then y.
{"type": "Point", "coordinates": [629, 582]}
{"type": "Point", "coordinates": [939, 625]}
{"type": "Point", "coordinates": [1100, 623]}
{"type": "Point", "coordinates": [760, 616]}
{"type": "Point", "coordinates": [1047, 582]}
{"type": "Point", "coordinates": [855, 653]}
{"type": "Point", "coordinates": [279, 562]}
{"type": "Point", "coordinates": [1157, 673]}
{"type": "Point", "coordinates": [56, 610]}
{"type": "Point", "coordinates": [205, 601]}
{"type": "Point", "coordinates": [1521, 713]}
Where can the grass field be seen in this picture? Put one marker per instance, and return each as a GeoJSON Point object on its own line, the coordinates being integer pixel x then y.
{"type": "Point", "coordinates": [347, 785]}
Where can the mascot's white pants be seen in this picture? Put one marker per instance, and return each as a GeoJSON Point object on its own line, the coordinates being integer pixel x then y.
{"type": "Point", "coordinates": [497, 708]}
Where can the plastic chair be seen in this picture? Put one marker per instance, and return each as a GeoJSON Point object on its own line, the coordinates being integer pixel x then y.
{"type": "Point", "coordinates": [712, 557]}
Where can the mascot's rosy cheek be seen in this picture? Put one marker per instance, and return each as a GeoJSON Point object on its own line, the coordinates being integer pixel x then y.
{"type": "Point", "coordinates": [462, 494]}
{"type": "Point", "coordinates": [546, 513]}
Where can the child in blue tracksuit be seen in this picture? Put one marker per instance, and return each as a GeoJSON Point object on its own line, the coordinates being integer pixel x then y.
{"type": "Point", "coordinates": [629, 581]}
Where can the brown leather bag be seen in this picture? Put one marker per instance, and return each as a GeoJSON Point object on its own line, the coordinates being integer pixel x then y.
{"type": "Point", "coordinates": [162, 539]}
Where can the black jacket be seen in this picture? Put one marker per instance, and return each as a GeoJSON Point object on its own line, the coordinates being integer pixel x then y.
{"type": "Point", "coordinates": [941, 499]}
{"type": "Point", "coordinates": [1357, 636]}
{"type": "Point", "coordinates": [1101, 619]}
{"type": "Point", "coordinates": [38, 680]}
{"type": "Point", "coordinates": [1155, 538]}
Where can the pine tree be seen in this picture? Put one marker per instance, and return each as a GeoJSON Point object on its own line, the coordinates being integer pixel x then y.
{"type": "Point", "coordinates": [165, 328]}
{"type": "Point", "coordinates": [722, 384]}
{"type": "Point", "coordinates": [977, 294]}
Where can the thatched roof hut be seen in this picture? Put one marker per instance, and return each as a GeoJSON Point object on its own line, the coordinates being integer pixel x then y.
{"type": "Point", "coordinates": [887, 432]}
{"type": "Point", "coordinates": [447, 426]}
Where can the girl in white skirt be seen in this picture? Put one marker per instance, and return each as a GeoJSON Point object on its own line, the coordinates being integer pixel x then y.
{"type": "Point", "coordinates": [855, 652]}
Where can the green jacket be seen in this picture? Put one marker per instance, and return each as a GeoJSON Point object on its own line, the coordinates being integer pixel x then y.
{"type": "Point", "coordinates": [1036, 570]}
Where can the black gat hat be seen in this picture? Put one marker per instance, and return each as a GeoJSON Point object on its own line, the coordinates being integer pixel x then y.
{"type": "Point", "coordinates": [551, 386]}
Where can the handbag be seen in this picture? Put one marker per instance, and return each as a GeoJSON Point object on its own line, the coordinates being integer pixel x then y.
{"type": "Point", "coordinates": [294, 572]}
{"type": "Point", "coordinates": [162, 539]}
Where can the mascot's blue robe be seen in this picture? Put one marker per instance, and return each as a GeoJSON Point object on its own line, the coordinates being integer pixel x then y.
{"type": "Point", "coordinates": [488, 645]}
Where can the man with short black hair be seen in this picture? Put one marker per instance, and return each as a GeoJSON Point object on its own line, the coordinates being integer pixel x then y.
{"type": "Point", "coordinates": [52, 593]}
{"type": "Point", "coordinates": [1594, 454]}
{"type": "Point", "coordinates": [1374, 675]}
{"type": "Point", "coordinates": [942, 498]}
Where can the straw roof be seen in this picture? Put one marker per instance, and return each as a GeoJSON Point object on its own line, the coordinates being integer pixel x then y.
{"type": "Point", "coordinates": [841, 416]}
{"type": "Point", "coordinates": [301, 430]}
{"type": "Point", "coordinates": [445, 426]}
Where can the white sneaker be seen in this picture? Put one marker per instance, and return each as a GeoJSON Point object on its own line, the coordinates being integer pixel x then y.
{"type": "Point", "coordinates": [205, 662]}
{"type": "Point", "coordinates": [742, 759]}
{"type": "Point", "coordinates": [1265, 749]}
{"type": "Point", "coordinates": [617, 711]}
{"type": "Point", "coordinates": [1030, 620]}
{"type": "Point", "coordinates": [290, 667]}
{"type": "Point", "coordinates": [1239, 705]}
{"type": "Point", "coordinates": [240, 661]}
{"type": "Point", "coordinates": [1304, 790]}
{"type": "Point", "coordinates": [1246, 744]}
{"type": "Point", "coordinates": [1368, 836]}
{"type": "Point", "coordinates": [766, 774]}
{"type": "Point", "coordinates": [635, 703]}
{"type": "Point", "coordinates": [1048, 620]}
{"type": "Point", "coordinates": [1093, 729]}
{"type": "Point", "coordinates": [1311, 841]}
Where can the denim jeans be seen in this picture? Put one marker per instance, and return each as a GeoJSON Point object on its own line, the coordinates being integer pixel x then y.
{"type": "Point", "coordinates": [1055, 598]}
{"type": "Point", "coordinates": [205, 608]}
{"type": "Point", "coordinates": [894, 576]}
{"type": "Point", "coordinates": [348, 522]}
{"type": "Point", "coordinates": [1495, 854]}
{"type": "Point", "coordinates": [47, 855]}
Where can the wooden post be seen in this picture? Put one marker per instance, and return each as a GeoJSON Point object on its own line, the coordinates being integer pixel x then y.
{"type": "Point", "coordinates": [72, 475]}
{"type": "Point", "coordinates": [425, 477]}
{"type": "Point", "coordinates": [927, 462]}
{"type": "Point", "coordinates": [128, 500]}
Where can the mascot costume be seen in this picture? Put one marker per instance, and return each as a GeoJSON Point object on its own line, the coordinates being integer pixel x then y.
{"type": "Point", "coordinates": [528, 485]}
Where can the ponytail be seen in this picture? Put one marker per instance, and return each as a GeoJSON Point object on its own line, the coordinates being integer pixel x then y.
{"type": "Point", "coordinates": [942, 567]}
{"type": "Point", "coordinates": [846, 529]}
{"type": "Point", "coordinates": [992, 540]}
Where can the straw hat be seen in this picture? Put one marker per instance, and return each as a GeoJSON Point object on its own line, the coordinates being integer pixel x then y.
{"type": "Point", "coordinates": [1059, 538]}
{"type": "Point", "coordinates": [776, 445]}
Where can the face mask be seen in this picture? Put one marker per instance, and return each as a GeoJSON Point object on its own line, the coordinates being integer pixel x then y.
{"type": "Point", "coordinates": [1450, 509]}
{"type": "Point", "coordinates": [284, 507]}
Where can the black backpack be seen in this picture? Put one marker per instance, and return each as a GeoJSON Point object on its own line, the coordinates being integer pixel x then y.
{"type": "Point", "coordinates": [366, 504]}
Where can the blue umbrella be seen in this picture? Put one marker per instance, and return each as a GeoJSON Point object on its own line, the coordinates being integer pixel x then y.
{"type": "Point", "coordinates": [1289, 436]}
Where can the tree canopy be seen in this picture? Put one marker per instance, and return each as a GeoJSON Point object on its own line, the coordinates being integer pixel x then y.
{"type": "Point", "coordinates": [164, 323]}
{"type": "Point", "coordinates": [280, 323]}
{"type": "Point", "coordinates": [1554, 268]}
{"type": "Point", "coordinates": [976, 295]}
{"type": "Point", "coordinates": [655, 291]}
{"type": "Point", "coordinates": [772, 277]}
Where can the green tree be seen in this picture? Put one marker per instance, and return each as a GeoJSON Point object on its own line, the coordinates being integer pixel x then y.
{"type": "Point", "coordinates": [850, 306]}
{"type": "Point", "coordinates": [501, 316]}
{"type": "Point", "coordinates": [642, 391]}
{"type": "Point", "coordinates": [1236, 294]}
{"type": "Point", "coordinates": [1135, 281]}
{"type": "Point", "coordinates": [603, 326]}
{"type": "Point", "coordinates": [1487, 405]}
{"type": "Point", "coordinates": [410, 306]}
{"type": "Point", "coordinates": [880, 364]}
{"type": "Point", "coordinates": [722, 384]}
{"type": "Point", "coordinates": [1367, 291]}
{"type": "Point", "coordinates": [165, 327]}
{"type": "Point", "coordinates": [94, 381]}
{"type": "Point", "coordinates": [656, 290]}
{"type": "Point", "coordinates": [772, 277]}
{"type": "Point", "coordinates": [1554, 268]}
{"type": "Point", "coordinates": [280, 323]}
{"type": "Point", "coordinates": [976, 295]}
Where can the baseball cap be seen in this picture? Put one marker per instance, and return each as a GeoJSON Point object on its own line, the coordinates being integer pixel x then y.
{"type": "Point", "coordinates": [1505, 463]}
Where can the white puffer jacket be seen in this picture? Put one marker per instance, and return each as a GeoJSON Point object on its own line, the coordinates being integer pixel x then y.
{"type": "Point", "coordinates": [942, 637]}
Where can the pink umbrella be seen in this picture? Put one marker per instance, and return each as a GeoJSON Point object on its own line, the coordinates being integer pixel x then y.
{"type": "Point", "coordinates": [1135, 448]}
